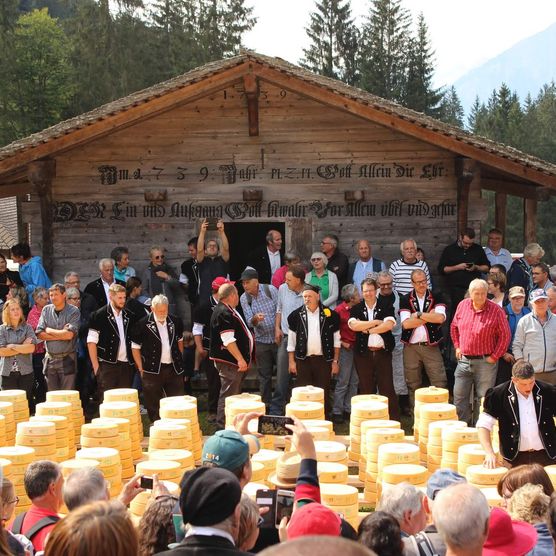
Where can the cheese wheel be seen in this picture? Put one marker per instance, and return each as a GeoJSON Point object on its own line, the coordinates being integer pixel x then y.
{"type": "Point", "coordinates": [365, 410]}
{"type": "Point", "coordinates": [305, 410]}
{"type": "Point", "coordinates": [105, 456]}
{"type": "Point", "coordinates": [258, 472]}
{"type": "Point", "coordinates": [368, 397]}
{"type": "Point", "coordinates": [338, 495]}
{"type": "Point", "coordinates": [6, 408]}
{"type": "Point", "coordinates": [348, 512]}
{"type": "Point", "coordinates": [36, 428]}
{"type": "Point", "coordinates": [160, 467]}
{"type": "Point", "coordinates": [6, 466]}
{"type": "Point", "coordinates": [54, 408]}
{"type": "Point", "coordinates": [122, 423]}
{"type": "Point", "coordinates": [31, 440]}
{"type": "Point", "coordinates": [551, 470]}
{"type": "Point", "coordinates": [477, 474]}
{"type": "Point", "coordinates": [118, 409]}
{"type": "Point", "coordinates": [375, 437]}
{"type": "Point", "coordinates": [319, 433]}
{"type": "Point", "coordinates": [460, 435]}
{"type": "Point", "coordinates": [183, 457]}
{"type": "Point", "coordinates": [244, 396]}
{"type": "Point", "coordinates": [61, 422]}
{"type": "Point", "coordinates": [100, 430]}
{"type": "Point", "coordinates": [321, 423]}
{"type": "Point", "coordinates": [404, 472]}
{"type": "Point", "coordinates": [307, 393]}
{"type": "Point", "coordinates": [169, 443]}
{"type": "Point", "coordinates": [332, 472]}
{"type": "Point", "coordinates": [431, 394]}
{"type": "Point", "coordinates": [169, 431]}
{"type": "Point", "coordinates": [107, 442]}
{"type": "Point", "coordinates": [472, 454]}
{"type": "Point", "coordinates": [121, 395]}
{"type": "Point", "coordinates": [71, 465]}
{"type": "Point", "coordinates": [267, 457]}
{"type": "Point", "coordinates": [330, 450]}
{"type": "Point", "coordinates": [13, 395]}
{"type": "Point", "coordinates": [398, 453]}
{"type": "Point", "coordinates": [437, 411]}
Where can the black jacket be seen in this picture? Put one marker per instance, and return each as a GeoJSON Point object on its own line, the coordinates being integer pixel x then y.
{"type": "Point", "coordinates": [96, 289]}
{"type": "Point", "coordinates": [222, 320]}
{"type": "Point", "coordinates": [189, 269]}
{"type": "Point", "coordinates": [258, 259]}
{"type": "Point", "coordinates": [200, 545]}
{"type": "Point", "coordinates": [502, 404]}
{"type": "Point", "coordinates": [104, 322]}
{"type": "Point", "coordinates": [297, 322]}
{"type": "Point", "coordinates": [432, 300]}
{"type": "Point", "coordinates": [384, 308]}
{"type": "Point", "coordinates": [201, 315]}
{"type": "Point", "coordinates": [145, 334]}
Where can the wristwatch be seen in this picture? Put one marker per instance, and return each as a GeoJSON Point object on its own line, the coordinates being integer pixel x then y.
{"type": "Point", "coordinates": [419, 314]}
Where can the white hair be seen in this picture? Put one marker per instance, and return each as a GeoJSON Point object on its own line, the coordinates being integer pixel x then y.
{"type": "Point", "coordinates": [410, 240]}
{"type": "Point", "coordinates": [401, 498]}
{"type": "Point", "coordinates": [478, 283]}
{"type": "Point", "coordinates": [104, 261]}
{"type": "Point", "coordinates": [320, 255]}
{"type": "Point", "coordinates": [159, 300]}
{"type": "Point", "coordinates": [460, 513]}
{"type": "Point", "coordinates": [533, 250]}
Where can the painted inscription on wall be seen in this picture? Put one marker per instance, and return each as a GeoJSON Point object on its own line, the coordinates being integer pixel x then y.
{"type": "Point", "coordinates": [67, 211]}
{"type": "Point", "coordinates": [251, 173]}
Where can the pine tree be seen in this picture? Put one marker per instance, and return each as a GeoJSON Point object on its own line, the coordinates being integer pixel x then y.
{"type": "Point", "coordinates": [420, 95]}
{"type": "Point", "coordinates": [451, 109]}
{"type": "Point", "coordinates": [334, 40]}
{"type": "Point", "coordinates": [384, 53]}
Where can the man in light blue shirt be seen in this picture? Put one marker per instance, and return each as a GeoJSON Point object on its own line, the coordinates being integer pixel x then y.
{"type": "Point", "coordinates": [367, 264]}
{"type": "Point", "coordinates": [496, 254]}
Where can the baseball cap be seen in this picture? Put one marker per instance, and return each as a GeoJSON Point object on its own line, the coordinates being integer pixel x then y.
{"type": "Point", "coordinates": [516, 291]}
{"type": "Point", "coordinates": [249, 274]}
{"type": "Point", "coordinates": [220, 281]}
{"type": "Point", "coordinates": [537, 294]}
{"type": "Point", "coordinates": [441, 479]}
{"type": "Point", "coordinates": [314, 519]}
{"type": "Point", "coordinates": [227, 449]}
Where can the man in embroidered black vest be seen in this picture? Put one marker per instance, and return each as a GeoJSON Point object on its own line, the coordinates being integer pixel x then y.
{"type": "Point", "coordinates": [373, 320]}
{"type": "Point", "coordinates": [314, 343]}
{"type": "Point", "coordinates": [525, 411]}
{"type": "Point", "coordinates": [232, 346]}
{"type": "Point", "coordinates": [422, 313]}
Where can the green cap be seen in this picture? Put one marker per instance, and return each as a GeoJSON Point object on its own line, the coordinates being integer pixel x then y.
{"type": "Point", "coordinates": [226, 449]}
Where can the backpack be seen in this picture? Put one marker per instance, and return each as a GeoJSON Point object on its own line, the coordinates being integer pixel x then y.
{"type": "Point", "coordinates": [36, 528]}
{"type": "Point", "coordinates": [423, 544]}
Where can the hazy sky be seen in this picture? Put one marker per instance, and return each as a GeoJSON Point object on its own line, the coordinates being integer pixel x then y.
{"type": "Point", "coordinates": [464, 34]}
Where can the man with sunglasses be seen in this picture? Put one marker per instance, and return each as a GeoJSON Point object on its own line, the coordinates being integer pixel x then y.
{"type": "Point", "coordinates": [422, 313]}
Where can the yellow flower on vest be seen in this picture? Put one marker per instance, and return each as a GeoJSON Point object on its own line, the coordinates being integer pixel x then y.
{"type": "Point", "coordinates": [326, 312]}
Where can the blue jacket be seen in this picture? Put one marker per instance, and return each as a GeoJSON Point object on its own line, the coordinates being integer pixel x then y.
{"type": "Point", "coordinates": [545, 544]}
{"type": "Point", "coordinates": [33, 275]}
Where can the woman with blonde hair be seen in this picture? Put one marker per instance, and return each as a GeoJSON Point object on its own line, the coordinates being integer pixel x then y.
{"type": "Point", "coordinates": [98, 529]}
{"type": "Point", "coordinates": [249, 518]}
{"type": "Point", "coordinates": [17, 343]}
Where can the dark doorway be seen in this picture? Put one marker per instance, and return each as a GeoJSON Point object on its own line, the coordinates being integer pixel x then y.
{"type": "Point", "coordinates": [246, 236]}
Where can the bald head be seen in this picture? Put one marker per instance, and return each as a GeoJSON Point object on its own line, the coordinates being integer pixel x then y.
{"type": "Point", "coordinates": [323, 546]}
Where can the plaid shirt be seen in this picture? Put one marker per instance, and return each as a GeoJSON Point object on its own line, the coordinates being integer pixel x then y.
{"type": "Point", "coordinates": [264, 331]}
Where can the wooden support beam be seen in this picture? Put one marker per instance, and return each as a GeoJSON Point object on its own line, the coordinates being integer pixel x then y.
{"type": "Point", "coordinates": [529, 221]}
{"type": "Point", "coordinates": [467, 172]}
{"type": "Point", "coordinates": [15, 189]}
{"type": "Point", "coordinates": [251, 87]}
{"type": "Point", "coordinates": [500, 202]}
{"type": "Point", "coordinates": [41, 173]}
{"type": "Point", "coordinates": [518, 189]}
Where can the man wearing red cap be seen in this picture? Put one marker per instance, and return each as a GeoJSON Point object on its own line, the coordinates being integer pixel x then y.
{"type": "Point", "coordinates": [232, 346]}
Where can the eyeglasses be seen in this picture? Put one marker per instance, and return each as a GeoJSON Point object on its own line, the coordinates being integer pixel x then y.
{"type": "Point", "coordinates": [316, 259]}
{"type": "Point", "coordinates": [419, 281]}
{"type": "Point", "coordinates": [14, 501]}
{"type": "Point", "coordinates": [325, 243]}
{"type": "Point", "coordinates": [158, 257]}
{"type": "Point", "coordinates": [389, 285]}
{"type": "Point", "coordinates": [74, 299]}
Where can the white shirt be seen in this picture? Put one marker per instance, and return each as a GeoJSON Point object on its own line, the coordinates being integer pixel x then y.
{"type": "Point", "coordinates": [122, 352]}
{"type": "Point", "coordinates": [166, 357]}
{"type": "Point", "coordinates": [228, 337]}
{"type": "Point", "coordinates": [208, 532]}
{"type": "Point", "coordinates": [529, 437]}
{"type": "Point", "coordinates": [106, 285]}
{"type": "Point", "coordinates": [420, 333]}
{"type": "Point", "coordinates": [274, 259]}
{"type": "Point", "coordinates": [314, 345]}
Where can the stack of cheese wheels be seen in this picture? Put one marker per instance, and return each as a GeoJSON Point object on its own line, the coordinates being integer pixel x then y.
{"type": "Point", "coordinates": [39, 435]}
{"type": "Point", "coordinates": [109, 463]}
{"type": "Point", "coordinates": [452, 439]}
{"type": "Point", "coordinates": [243, 406]}
{"type": "Point", "coordinates": [424, 396]}
{"type": "Point", "coordinates": [375, 438]}
{"type": "Point", "coordinates": [166, 470]}
{"type": "Point", "coordinates": [139, 504]}
{"type": "Point", "coordinates": [3, 436]}
{"type": "Point", "coordinates": [124, 431]}
{"type": "Point", "coordinates": [182, 407]}
{"type": "Point", "coordinates": [20, 457]}
{"type": "Point", "coordinates": [72, 397]}
{"type": "Point", "coordinates": [107, 435]}
{"type": "Point", "coordinates": [7, 411]}
{"type": "Point", "coordinates": [412, 473]}
{"type": "Point", "coordinates": [332, 472]}
{"type": "Point", "coordinates": [126, 410]}
{"type": "Point", "coordinates": [481, 477]}
{"type": "Point", "coordinates": [268, 459]}
{"type": "Point", "coordinates": [470, 454]}
{"type": "Point", "coordinates": [551, 470]}
{"type": "Point", "coordinates": [361, 411]}
{"type": "Point", "coordinates": [329, 450]}
{"type": "Point", "coordinates": [365, 426]}
{"type": "Point", "coordinates": [65, 445]}
{"type": "Point", "coordinates": [434, 444]}
{"type": "Point", "coordinates": [184, 457]}
{"type": "Point", "coordinates": [429, 413]}
{"type": "Point", "coordinates": [320, 424]}
{"type": "Point", "coordinates": [163, 436]}
{"type": "Point", "coordinates": [307, 394]}
{"type": "Point", "coordinates": [243, 397]}
{"type": "Point", "coordinates": [127, 395]}
{"type": "Point", "coordinates": [258, 472]}
{"type": "Point", "coordinates": [305, 410]}
{"type": "Point", "coordinates": [63, 409]}
{"type": "Point", "coordinates": [21, 405]}
{"type": "Point", "coordinates": [318, 433]}
{"type": "Point", "coordinates": [342, 499]}
{"type": "Point", "coordinates": [395, 453]}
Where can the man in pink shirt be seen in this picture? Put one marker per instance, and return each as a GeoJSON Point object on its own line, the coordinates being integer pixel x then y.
{"type": "Point", "coordinates": [481, 335]}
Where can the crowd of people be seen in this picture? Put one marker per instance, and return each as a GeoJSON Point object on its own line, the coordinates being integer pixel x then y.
{"type": "Point", "coordinates": [485, 330]}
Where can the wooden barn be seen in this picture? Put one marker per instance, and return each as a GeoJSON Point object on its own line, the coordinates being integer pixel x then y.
{"type": "Point", "coordinates": [262, 144]}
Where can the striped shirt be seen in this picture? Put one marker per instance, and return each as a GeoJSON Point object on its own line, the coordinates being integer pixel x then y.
{"type": "Point", "coordinates": [484, 332]}
{"type": "Point", "coordinates": [401, 274]}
